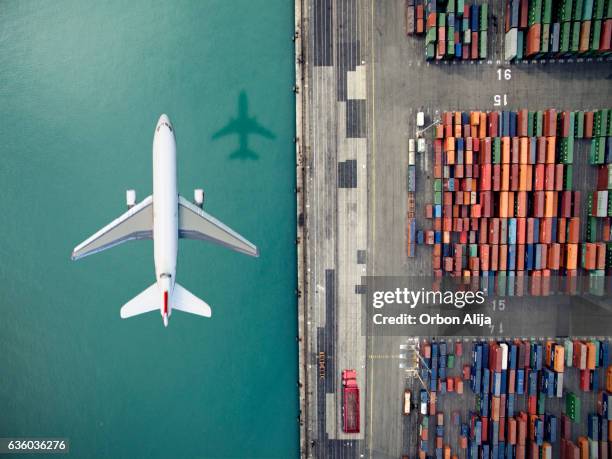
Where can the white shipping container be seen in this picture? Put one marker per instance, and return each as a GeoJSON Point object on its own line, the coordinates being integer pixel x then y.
{"type": "Point", "coordinates": [559, 384]}
{"type": "Point", "coordinates": [609, 176]}
{"type": "Point", "coordinates": [510, 44]}
{"type": "Point", "coordinates": [411, 145]}
{"type": "Point", "coordinates": [411, 161]}
{"type": "Point", "coordinates": [420, 121]}
{"type": "Point", "coordinates": [602, 203]}
{"type": "Point", "coordinates": [421, 146]}
{"type": "Point", "coordinates": [504, 362]}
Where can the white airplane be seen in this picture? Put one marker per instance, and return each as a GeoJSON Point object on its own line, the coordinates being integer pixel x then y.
{"type": "Point", "coordinates": [165, 216]}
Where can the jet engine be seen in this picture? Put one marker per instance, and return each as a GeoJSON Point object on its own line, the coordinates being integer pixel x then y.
{"type": "Point", "coordinates": [130, 198]}
{"type": "Point", "coordinates": [198, 197]}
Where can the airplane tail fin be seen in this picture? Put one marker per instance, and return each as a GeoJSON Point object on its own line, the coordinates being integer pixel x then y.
{"type": "Point", "coordinates": [147, 301]}
{"type": "Point", "coordinates": [184, 300]}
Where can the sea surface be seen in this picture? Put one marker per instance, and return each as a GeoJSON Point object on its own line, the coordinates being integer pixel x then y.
{"type": "Point", "coordinates": [82, 84]}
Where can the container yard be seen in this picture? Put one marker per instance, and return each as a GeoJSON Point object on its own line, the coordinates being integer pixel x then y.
{"type": "Point", "coordinates": [540, 29]}
{"type": "Point", "coordinates": [513, 398]}
{"type": "Point", "coordinates": [504, 202]}
{"type": "Point", "coordinates": [457, 140]}
{"type": "Point", "coordinates": [532, 30]}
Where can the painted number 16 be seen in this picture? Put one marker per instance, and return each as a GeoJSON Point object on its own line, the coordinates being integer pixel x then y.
{"type": "Point", "coordinates": [504, 74]}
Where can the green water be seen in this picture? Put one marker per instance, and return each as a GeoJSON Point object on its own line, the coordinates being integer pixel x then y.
{"type": "Point", "coordinates": [82, 85]}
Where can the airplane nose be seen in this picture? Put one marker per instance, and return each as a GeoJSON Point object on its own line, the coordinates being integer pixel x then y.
{"type": "Point", "coordinates": [165, 120]}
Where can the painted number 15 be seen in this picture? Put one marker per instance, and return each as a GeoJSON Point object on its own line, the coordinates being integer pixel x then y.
{"type": "Point", "coordinates": [500, 100]}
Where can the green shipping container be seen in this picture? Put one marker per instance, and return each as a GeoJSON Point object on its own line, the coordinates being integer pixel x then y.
{"type": "Point", "coordinates": [450, 361]}
{"type": "Point", "coordinates": [566, 36]}
{"type": "Point", "coordinates": [572, 121]}
{"type": "Point", "coordinates": [496, 150]}
{"type": "Point", "coordinates": [587, 10]}
{"type": "Point", "coordinates": [595, 36]}
{"type": "Point", "coordinates": [438, 197]}
{"type": "Point", "coordinates": [535, 12]}
{"type": "Point", "coordinates": [431, 35]}
{"type": "Point", "coordinates": [575, 43]}
{"type": "Point", "coordinates": [484, 16]}
{"type": "Point", "coordinates": [566, 10]}
{"type": "Point", "coordinates": [572, 406]}
{"type": "Point", "coordinates": [545, 38]}
{"type": "Point", "coordinates": [566, 150]}
{"type": "Point", "coordinates": [430, 51]}
{"type": "Point", "coordinates": [598, 9]}
{"type": "Point", "coordinates": [460, 5]}
{"type": "Point", "coordinates": [520, 39]}
{"type": "Point", "coordinates": [538, 123]}
{"type": "Point", "coordinates": [530, 123]}
{"type": "Point", "coordinates": [482, 53]}
{"type": "Point", "coordinates": [568, 177]}
{"type": "Point", "coordinates": [437, 184]}
{"type": "Point", "coordinates": [441, 20]}
{"type": "Point", "coordinates": [577, 16]}
{"type": "Point", "coordinates": [591, 229]}
{"type": "Point", "coordinates": [547, 13]}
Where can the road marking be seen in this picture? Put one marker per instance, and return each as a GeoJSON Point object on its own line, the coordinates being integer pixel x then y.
{"type": "Point", "coordinates": [372, 209]}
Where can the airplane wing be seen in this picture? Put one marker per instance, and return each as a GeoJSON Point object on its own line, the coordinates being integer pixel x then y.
{"type": "Point", "coordinates": [194, 223]}
{"type": "Point", "coordinates": [136, 223]}
{"type": "Point", "coordinates": [229, 128]}
{"type": "Point", "coordinates": [253, 126]}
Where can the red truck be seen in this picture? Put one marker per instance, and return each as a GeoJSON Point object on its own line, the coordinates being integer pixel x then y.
{"type": "Point", "coordinates": [350, 402]}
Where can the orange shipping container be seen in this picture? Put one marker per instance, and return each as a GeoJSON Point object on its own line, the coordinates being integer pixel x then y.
{"type": "Point", "coordinates": [573, 230]}
{"type": "Point", "coordinates": [505, 179]}
{"type": "Point", "coordinates": [550, 149]}
{"type": "Point", "coordinates": [505, 158]}
{"type": "Point", "coordinates": [550, 208]}
{"type": "Point", "coordinates": [571, 258]}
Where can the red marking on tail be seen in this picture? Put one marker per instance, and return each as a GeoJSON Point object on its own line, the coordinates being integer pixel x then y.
{"type": "Point", "coordinates": [166, 302]}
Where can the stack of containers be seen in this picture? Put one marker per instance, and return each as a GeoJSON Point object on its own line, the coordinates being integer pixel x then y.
{"type": "Point", "coordinates": [503, 371]}
{"type": "Point", "coordinates": [458, 31]}
{"type": "Point", "coordinates": [415, 18]}
{"type": "Point", "coordinates": [538, 29]}
{"type": "Point", "coordinates": [504, 205]}
{"type": "Point", "coordinates": [597, 250]}
{"type": "Point", "coordinates": [411, 239]}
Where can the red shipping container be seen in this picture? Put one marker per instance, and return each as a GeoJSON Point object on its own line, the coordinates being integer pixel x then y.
{"type": "Point", "coordinates": [533, 39]}
{"type": "Point", "coordinates": [549, 177]}
{"type": "Point", "coordinates": [561, 230]}
{"type": "Point", "coordinates": [520, 258]}
{"type": "Point", "coordinates": [605, 40]}
{"type": "Point", "coordinates": [524, 14]}
{"type": "Point", "coordinates": [514, 177]}
{"type": "Point", "coordinates": [588, 125]}
{"type": "Point", "coordinates": [573, 230]}
{"type": "Point", "coordinates": [539, 181]}
{"type": "Point", "coordinates": [550, 123]}
{"type": "Point", "coordinates": [559, 177]}
{"type": "Point", "coordinates": [541, 150]}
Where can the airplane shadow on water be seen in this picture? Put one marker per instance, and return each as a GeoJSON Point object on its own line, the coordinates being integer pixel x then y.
{"type": "Point", "coordinates": [243, 126]}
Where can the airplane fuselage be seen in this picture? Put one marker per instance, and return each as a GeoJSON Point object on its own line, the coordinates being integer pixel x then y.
{"type": "Point", "coordinates": [165, 212]}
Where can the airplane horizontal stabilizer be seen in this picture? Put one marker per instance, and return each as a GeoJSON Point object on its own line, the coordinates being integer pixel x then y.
{"type": "Point", "coordinates": [136, 223]}
{"type": "Point", "coordinates": [147, 301]}
{"type": "Point", "coordinates": [194, 223]}
{"type": "Point", "coordinates": [184, 300]}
